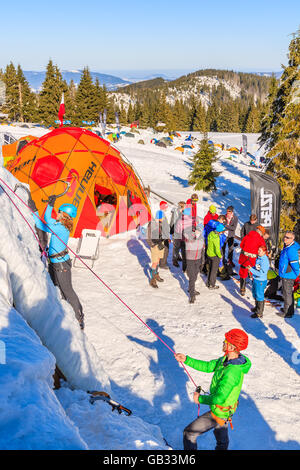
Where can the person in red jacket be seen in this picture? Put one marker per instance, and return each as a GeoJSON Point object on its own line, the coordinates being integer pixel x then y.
{"type": "Point", "coordinates": [192, 203]}
{"type": "Point", "coordinates": [211, 215]}
{"type": "Point", "coordinates": [249, 251]}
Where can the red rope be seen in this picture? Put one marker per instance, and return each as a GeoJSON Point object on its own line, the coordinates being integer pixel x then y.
{"type": "Point", "coordinates": [93, 272]}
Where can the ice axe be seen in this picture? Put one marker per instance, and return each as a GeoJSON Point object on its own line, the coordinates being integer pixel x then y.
{"type": "Point", "coordinates": [63, 193]}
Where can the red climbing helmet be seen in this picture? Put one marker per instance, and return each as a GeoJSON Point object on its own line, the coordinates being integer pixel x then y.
{"type": "Point", "coordinates": [238, 338]}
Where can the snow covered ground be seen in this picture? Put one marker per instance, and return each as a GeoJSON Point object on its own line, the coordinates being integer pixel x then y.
{"type": "Point", "coordinates": [142, 372]}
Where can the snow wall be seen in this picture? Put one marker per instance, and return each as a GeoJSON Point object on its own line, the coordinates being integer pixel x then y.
{"type": "Point", "coordinates": [38, 300]}
{"type": "Point", "coordinates": [31, 417]}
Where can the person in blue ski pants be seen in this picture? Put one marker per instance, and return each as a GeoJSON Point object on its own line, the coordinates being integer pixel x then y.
{"type": "Point", "coordinates": [260, 280]}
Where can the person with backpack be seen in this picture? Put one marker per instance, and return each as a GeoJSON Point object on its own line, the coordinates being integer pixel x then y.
{"type": "Point", "coordinates": [60, 263]}
{"type": "Point", "coordinates": [184, 222]}
{"type": "Point", "coordinates": [260, 280]}
{"type": "Point", "coordinates": [157, 233]}
{"type": "Point", "coordinates": [178, 243]}
{"type": "Point", "coordinates": [214, 255]}
{"type": "Point", "coordinates": [229, 371]}
{"type": "Point", "coordinates": [163, 262]}
{"type": "Point", "coordinates": [193, 248]}
{"type": "Point", "coordinates": [288, 271]}
{"type": "Point", "coordinates": [231, 225]}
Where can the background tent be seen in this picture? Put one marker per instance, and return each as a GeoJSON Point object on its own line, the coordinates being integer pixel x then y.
{"type": "Point", "coordinates": [161, 144]}
{"type": "Point", "coordinates": [10, 151]}
{"type": "Point", "coordinates": [98, 177]}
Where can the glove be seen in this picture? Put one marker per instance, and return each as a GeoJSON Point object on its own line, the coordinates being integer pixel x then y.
{"type": "Point", "coordinates": [51, 200]}
{"type": "Point", "coordinates": [31, 205]}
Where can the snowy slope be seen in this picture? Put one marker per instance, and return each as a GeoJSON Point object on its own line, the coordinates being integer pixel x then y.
{"type": "Point", "coordinates": [142, 371]}
{"type": "Point", "coordinates": [36, 298]}
{"type": "Point", "coordinates": [31, 417]}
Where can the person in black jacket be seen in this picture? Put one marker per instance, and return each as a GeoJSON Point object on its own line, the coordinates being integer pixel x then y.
{"type": "Point", "coordinates": [250, 225]}
{"type": "Point", "coordinates": [231, 225]}
{"type": "Point", "coordinates": [158, 231]}
{"type": "Point", "coordinates": [178, 243]}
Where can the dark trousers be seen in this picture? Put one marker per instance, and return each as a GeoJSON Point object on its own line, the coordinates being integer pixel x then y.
{"type": "Point", "coordinates": [272, 288]}
{"type": "Point", "coordinates": [179, 246]}
{"type": "Point", "coordinates": [214, 262]}
{"type": "Point", "coordinates": [201, 425]}
{"type": "Point", "coordinates": [288, 297]}
{"type": "Point", "coordinates": [60, 274]}
{"type": "Point", "coordinates": [43, 238]}
{"type": "Point", "coordinates": [192, 270]}
{"type": "Point", "coordinates": [163, 261]}
{"type": "Point", "coordinates": [230, 243]}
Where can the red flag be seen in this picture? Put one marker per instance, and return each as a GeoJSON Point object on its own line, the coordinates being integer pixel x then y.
{"type": "Point", "coordinates": [61, 111]}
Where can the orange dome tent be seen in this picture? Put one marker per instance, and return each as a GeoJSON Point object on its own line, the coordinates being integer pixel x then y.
{"type": "Point", "coordinates": [105, 189]}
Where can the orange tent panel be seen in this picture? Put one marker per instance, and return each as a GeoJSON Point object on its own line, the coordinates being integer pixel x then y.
{"type": "Point", "coordinates": [97, 175]}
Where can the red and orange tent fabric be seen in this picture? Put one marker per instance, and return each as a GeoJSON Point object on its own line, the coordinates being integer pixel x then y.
{"type": "Point", "coordinates": [10, 151]}
{"type": "Point", "coordinates": [105, 189]}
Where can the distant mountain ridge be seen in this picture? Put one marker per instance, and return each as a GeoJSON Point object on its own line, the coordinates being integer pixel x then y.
{"type": "Point", "coordinates": [35, 79]}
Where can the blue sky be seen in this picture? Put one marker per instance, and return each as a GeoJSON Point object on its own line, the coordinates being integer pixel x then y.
{"type": "Point", "coordinates": [154, 35]}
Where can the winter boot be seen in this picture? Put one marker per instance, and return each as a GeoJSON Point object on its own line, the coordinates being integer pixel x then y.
{"type": "Point", "coordinates": [192, 299]}
{"type": "Point", "coordinates": [157, 276]}
{"type": "Point", "coordinates": [260, 309]}
{"type": "Point", "coordinates": [242, 286]}
{"type": "Point", "coordinates": [254, 309]}
{"type": "Point", "coordinates": [153, 279]}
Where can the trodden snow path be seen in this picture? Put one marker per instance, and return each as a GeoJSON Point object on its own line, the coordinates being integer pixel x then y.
{"type": "Point", "coordinates": [143, 372]}
{"type": "Point", "coordinates": [144, 375]}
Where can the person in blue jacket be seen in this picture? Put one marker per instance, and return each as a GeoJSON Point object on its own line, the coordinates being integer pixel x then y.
{"type": "Point", "coordinates": [260, 279]}
{"type": "Point", "coordinates": [60, 262]}
{"type": "Point", "coordinates": [288, 271]}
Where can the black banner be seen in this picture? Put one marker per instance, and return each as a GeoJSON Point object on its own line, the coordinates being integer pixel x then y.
{"type": "Point", "coordinates": [266, 202]}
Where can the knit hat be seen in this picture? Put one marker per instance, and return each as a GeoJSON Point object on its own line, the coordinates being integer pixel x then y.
{"type": "Point", "coordinates": [238, 338]}
{"type": "Point", "coordinates": [163, 205]}
{"type": "Point", "coordinates": [212, 209]}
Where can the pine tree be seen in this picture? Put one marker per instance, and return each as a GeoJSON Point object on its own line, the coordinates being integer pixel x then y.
{"type": "Point", "coordinates": [27, 101]}
{"type": "Point", "coordinates": [265, 125]}
{"type": "Point", "coordinates": [200, 123]}
{"type": "Point", "coordinates": [130, 114]}
{"type": "Point", "coordinates": [252, 124]}
{"type": "Point", "coordinates": [284, 138]}
{"type": "Point", "coordinates": [12, 103]}
{"type": "Point", "coordinates": [50, 95]}
{"type": "Point", "coordinates": [203, 176]}
{"type": "Point", "coordinates": [86, 102]}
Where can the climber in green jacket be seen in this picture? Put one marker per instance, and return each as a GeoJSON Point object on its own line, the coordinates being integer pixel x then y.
{"type": "Point", "coordinates": [225, 389]}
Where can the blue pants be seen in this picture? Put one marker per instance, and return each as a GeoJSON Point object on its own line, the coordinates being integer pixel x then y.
{"type": "Point", "coordinates": [258, 290]}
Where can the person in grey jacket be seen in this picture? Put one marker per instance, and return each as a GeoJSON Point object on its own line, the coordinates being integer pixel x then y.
{"type": "Point", "coordinates": [194, 244]}
{"type": "Point", "coordinates": [231, 225]}
{"type": "Point", "coordinates": [250, 225]}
